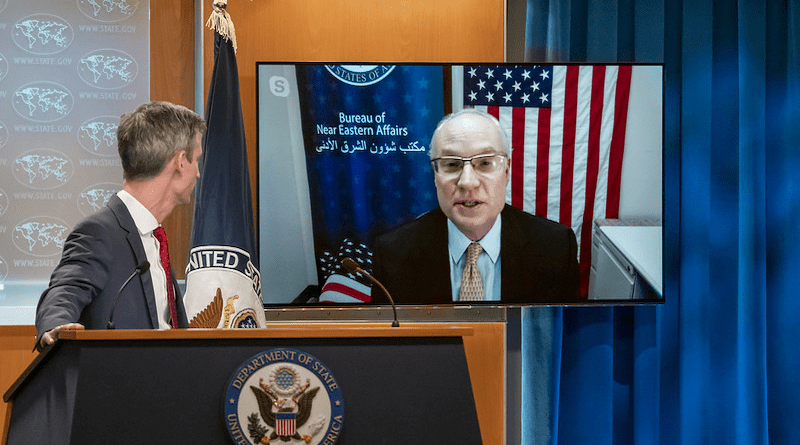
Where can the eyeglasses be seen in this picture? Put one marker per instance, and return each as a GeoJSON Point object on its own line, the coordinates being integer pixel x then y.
{"type": "Point", "coordinates": [487, 164]}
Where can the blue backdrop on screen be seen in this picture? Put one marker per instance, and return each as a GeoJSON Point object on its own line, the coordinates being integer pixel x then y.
{"type": "Point", "coordinates": [366, 130]}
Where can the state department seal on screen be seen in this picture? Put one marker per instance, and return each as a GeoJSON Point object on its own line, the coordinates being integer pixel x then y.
{"type": "Point", "coordinates": [360, 75]}
{"type": "Point", "coordinates": [284, 396]}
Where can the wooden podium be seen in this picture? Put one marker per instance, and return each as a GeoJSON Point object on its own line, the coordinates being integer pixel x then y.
{"type": "Point", "coordinates": [409, 384]}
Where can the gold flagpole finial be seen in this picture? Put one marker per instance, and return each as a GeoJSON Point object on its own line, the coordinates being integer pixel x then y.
{"type": "Point", "coordinates": [220, 21]}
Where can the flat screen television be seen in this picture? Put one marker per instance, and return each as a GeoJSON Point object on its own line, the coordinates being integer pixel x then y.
{"type": "Point", "coordinates": [343, 157]}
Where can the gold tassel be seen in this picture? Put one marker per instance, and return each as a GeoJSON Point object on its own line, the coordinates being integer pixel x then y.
{"type": "Point", "coordinates": [220, 21]}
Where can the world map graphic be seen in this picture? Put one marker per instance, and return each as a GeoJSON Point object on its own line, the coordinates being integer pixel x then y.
{"type": "Point", "coordinates": [3, 134]}
{"type": "Point", "coordinates": [109, 65]}
{"type": "Point", "coordinates": [97, 198]}
{"type": "Point", "coordinates": [3, 202]}
{"type": "Point", "coordinates": [122, 6]}
{"type": "Point", "coordinates": [42, 233]}
{"type": "Point", "coordinates": [44, 99]}
{"type": "Point", "coordinates": [3, 67]}
{"type": "Point", "coordinates": [43, 167]}
{"type": "Point", "coordinates": [100, 133]}
{"type": "Point", "coordinates": [44, 32]}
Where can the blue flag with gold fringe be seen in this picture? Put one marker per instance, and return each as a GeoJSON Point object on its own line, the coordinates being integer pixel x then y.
{"type": "Point", "coordinates": [223, 285]}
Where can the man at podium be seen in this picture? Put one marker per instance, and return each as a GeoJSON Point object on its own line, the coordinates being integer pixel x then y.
{"type": "Point", "coordinates": [475, 247]}
{"type": "Point", "coordinates": [114, 269]}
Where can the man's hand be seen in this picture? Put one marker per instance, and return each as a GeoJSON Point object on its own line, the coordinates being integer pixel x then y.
{"type": "Point", "coordinates": [50, 337]}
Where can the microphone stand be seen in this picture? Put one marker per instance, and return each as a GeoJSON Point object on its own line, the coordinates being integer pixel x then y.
{"type": "Point", "coordinates": [353, 267]}
{"type": "Point", "coordinates": [140, 269]}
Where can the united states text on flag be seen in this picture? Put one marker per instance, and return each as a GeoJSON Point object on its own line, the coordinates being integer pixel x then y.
{"type": "Point", "coordinates": [567, 129]}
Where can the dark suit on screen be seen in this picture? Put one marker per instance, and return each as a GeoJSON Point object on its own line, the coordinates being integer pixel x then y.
{"type": "Point", "coordinates": [99, 254]}
{"type": "Point", "coordinates": [538, 257]}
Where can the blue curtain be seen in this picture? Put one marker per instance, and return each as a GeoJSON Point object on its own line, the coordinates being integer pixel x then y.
{"type": "Point", "coordinates": [718, 362]}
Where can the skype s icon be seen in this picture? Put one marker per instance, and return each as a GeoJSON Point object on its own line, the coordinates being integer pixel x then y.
{"type": "Point", "coordinates": [279, 86]}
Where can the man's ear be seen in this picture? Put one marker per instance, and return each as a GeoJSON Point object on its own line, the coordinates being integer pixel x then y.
{"type": "Point", "coordinates": [177, 162]}
{"type": "Point", "coordinates": [181, 159]}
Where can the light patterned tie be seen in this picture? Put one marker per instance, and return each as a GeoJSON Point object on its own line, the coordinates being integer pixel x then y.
{"type": "Point", "coordinates": [161, 236]}
{"type": "Point", "coordinates": [471, 282]}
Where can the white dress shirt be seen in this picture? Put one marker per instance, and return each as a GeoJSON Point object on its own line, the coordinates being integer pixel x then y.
{"type": "Point", "coordinates": [146, 223]}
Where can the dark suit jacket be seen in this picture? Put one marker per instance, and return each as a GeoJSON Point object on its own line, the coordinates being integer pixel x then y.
{"type": "Point", "coordinates": [539, 260]}
{"type": "Point", "coordinates": [99, 254]}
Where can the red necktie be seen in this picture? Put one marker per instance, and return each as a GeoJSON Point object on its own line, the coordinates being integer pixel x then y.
{"type": "Point", "coordinates": [161, 236]}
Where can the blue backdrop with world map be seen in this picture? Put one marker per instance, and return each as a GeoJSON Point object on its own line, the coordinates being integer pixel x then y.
{"type": "Point", "coordinates": [68, 70]}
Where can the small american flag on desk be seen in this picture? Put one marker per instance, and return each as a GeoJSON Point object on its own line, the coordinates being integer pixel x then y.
{"type": "Point", "coordinates": [567, 129]}
{"type": "Point", "coordinates": [341, 286]}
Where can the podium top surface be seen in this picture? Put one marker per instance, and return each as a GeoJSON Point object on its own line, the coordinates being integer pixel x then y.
{"type": "Point", "coordinates": [275, 330]}
{"type": "Point", "coordinates": [286, 330]}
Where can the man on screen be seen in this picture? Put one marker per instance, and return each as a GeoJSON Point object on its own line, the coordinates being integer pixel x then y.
{"type": "Point", "coordinates": [103, 274]}
{"type": "Point", "coordinates": [474, 247]}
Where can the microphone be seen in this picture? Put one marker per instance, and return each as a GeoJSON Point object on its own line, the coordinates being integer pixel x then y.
{"type": "Point", "coordinates": [353, 267]}
{"type": "Point", "coordinates": [140, 269]}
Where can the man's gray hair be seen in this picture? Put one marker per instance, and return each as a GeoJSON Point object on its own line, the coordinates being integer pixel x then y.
{"type": "Point", "coordinates": [150, 136]}
{"type": "Point", "coordinates": [503, 136]}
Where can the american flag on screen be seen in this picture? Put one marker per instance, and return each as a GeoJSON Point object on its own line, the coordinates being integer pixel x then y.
{"type": "Point", "coordinates": [567, 130]}
{"type": "Point", "coordinates": [342, 286]}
